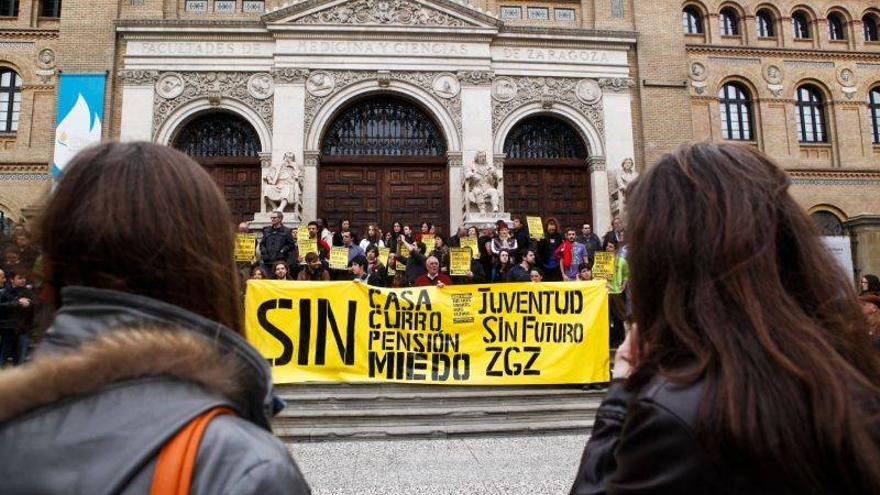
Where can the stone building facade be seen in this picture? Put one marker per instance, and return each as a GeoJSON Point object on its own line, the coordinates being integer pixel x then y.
{"type": "Point", "coordinates": [497, 107]}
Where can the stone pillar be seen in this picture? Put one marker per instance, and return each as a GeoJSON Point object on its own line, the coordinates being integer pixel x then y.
{"type": "Point", "coordinates": [865, 231]}
{"type": "Point", "coordinates": [138, 88]}
{"type": "Point", "coordinates": [456, 194]}
{"type": "Point", "coordinates": [619, 140]}
{"type": "Point", "coordinates": [476, 130]}
{"type": "Point", "coordinates": [310, 185]}
{"type": "Point", "coordinates": [601, 196]}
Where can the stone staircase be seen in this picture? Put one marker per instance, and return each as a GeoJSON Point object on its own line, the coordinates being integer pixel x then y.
{"type": "Point", "coordinates": [317, 412]}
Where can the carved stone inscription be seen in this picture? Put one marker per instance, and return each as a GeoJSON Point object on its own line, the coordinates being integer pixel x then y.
{"type": "Point", "coordinates": [388, 12]}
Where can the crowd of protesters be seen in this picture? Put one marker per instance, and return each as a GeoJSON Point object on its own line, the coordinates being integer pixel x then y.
{"type": "Point", "coordinates": [18, 301]}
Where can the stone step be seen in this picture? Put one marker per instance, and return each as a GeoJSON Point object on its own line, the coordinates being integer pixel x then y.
{"type": "Point", "coordinates": [294, 434]}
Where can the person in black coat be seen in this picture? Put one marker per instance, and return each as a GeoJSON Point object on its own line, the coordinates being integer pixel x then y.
{"type": "Point", "coordinates": [277, 242]}
{"type": "Point", "coordinates": [16, 318]}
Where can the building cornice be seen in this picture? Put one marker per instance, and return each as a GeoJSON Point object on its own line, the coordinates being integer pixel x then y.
{"type": "Point", "coordinates": [774, 51]}
{"type": "Point", "coordinates": [834, 174]}
{"type": "Point", "coordinates": [28, 33]}
{"type": "Point", "coordinates": [568, 34]}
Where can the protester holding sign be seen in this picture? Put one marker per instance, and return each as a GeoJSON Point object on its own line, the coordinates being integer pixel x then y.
{"type": "Point", "coordinates": [460, 262]}
{"type": "Point", "coordinates": [751, 370]}
{"type": "Point", "coordinates": [139, 350]}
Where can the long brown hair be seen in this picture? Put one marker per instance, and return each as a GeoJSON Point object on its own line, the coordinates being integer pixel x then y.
{"type": "Point", "coordinates": [146, 219]}
{"type": "Point", "coordinates": [731, 285]}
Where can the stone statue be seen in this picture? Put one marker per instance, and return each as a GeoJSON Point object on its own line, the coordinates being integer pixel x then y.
{"type": "Point", "coordinates": [626, 175]}
{"type": "Point", "coordinates": [283, 184]}
{"type": "Point", "coordinates": [482, 185]}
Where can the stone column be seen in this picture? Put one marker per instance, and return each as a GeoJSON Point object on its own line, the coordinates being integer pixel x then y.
{"type": "Point", "coordinates": [138, 89]}
{"type": "Point", "coordinates": [310, 185]}
{"type": "Point", "coordinates": [619, 140]}
{"type": "Point", "coordinates": [456, 194]}
{"type": "Point", "coordinates": [601, 197]}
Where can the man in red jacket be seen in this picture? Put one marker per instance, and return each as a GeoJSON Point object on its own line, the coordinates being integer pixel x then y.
{"type": "Point", "coordinates": [433, 275]}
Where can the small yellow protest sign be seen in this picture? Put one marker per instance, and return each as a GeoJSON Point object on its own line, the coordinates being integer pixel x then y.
{"type": "Point", "coordinates": [470, 242]}
{"type": "Point", "coordinates": [308, 246]}
{"type": "Point", "coordinates": [430, 241]}
{"type": "Point", "coordinates": [459, 261]}
{"type": "Point", "coordinates": [603, 266]}
{"type": "Point", "coordinates": [383, 255]}
{"type": "Point", "coordinates": [302, 233]}
{"type": "Point", "coordinates": [404, 250]}
{"type": "Point", "coordinates": [536, 228]}
{"type": "Point", "coordinates": [339, 258]}
{"type": "Point", "coordinates": [245, 247]}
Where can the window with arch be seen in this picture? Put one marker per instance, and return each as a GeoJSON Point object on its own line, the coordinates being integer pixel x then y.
{"type": "Point", "coordinates": [729, 20]}
{"type": "Point", "coordinates": [8, 8]}
{"type": "Point", "coordinates": [874, 103]}
{"type": "Point", "coordinates": [871, 26]}
{"type": "Point", "coordinates": [800, 23]}
{"type": "Point", "coordinates": [218, 134]}
{"type": "Point", "coordinates": [692, 19]}
{"type": "Point", "coordinates": [810, 115]}
{"type": "Point", "coordinates": [828, 223]}
{"type": "Point", "coordinates": [836, 27]}
{"type": "Point", "coordinates": [50, 8]}
{"type": "Point", "coordinates": [10, 100]}
{"type": "Point", "coordinates": [765, 23]}
{"type": "Point", "coordinates": [735, 103]}
{"type": "Point", "coordinates": [544, 137]}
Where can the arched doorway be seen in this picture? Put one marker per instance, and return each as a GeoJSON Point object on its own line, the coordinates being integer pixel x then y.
{"type": "Point", "coordinates": [383, 159]}
{"type": "Point", "coordinates": [227, 146]}
{"type": "Point", "coordinates": [545, 172]}
{"type": "Point", "coordinates": [828, 223]}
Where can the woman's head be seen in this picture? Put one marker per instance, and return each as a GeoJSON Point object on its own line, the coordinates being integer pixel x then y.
{"type": "Point", "coordinates": [869, 283]}
{"type": "Point", "coordinates": [257, 273]}
{"type": "Point", "coordinates": [281, 270]}
{"type": "Point", "coordinates": [472, 231]}
{"type": "Point", "coordinates": [425, 227]}
{"type": "Point", "coordinates": [136, 217]}
{"type": "Point", "coordinates": [536, 275]}
{"type": "Point", "coordinates": [504, 257]}
{"type": "Point", "coordinates": [730, 283]}
{"type": "Point", "coordinates": [397, 227]}
{"type": "Point", "coordinates": [407, 230]}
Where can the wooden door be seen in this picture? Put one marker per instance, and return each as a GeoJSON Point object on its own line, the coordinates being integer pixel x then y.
{"type": "Point", "coordinates": [240, 184]}
{"type": "Point", "coordinates": [558, 189]}
{"type": "Point", "coordinates": [382, 192]}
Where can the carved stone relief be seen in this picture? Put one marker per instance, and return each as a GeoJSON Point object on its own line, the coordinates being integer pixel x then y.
{"type": "Point", "coordinates": [212, 85]}
{"type": "Point", "coordinates": [446, 86]}
{"type": "Point", "coordinates": [617, 84]}
{"type": "Point", "coordinates": [45, 65]}
{"type": "Point", "coordinates": [289, 75]}
{"type": "Point", "coordinates": [138, 77]}
{"type": "Point", "coordinates": [260, 86]}
{"type": "Point", "coordinates": [169, 85]}
{"type": "Point", "coordinates": [387, 12]}
{"type": "Point", "coordinates": [343, 79]}
{"type": "Point", "coordinates": [547, 90]}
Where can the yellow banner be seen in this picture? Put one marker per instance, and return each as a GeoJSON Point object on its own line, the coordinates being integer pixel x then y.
{"type": "Point", "coordinates": [383, 255]}
{"type": "Point", "coordinates": [536, 228]}
{"type": "Point", "coordinates": [603, 266]}
{"type": "Point", "coordinates": [503, 334]}
{"type": "Point", "coordinates": [339, 258]}
{"type": "Point", "coordinates": [245, 247]}
{"type": "Point", "coordinates": [459, 261]}
{"type": "Point", "coordinates": [302, 233]}
{"type": "Point", "coordinates": [308, 246]}
{"type": "Point", "coordinates": [470, 242]}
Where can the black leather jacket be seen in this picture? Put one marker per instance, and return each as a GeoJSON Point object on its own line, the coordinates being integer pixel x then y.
{"type": "Point", "coordinates": [646, 442]}
{"type": "Point", "coordinates": [276, 244]}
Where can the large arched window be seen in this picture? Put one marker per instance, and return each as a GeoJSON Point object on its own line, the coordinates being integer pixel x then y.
{"type": "Point", "coordinates": [764, 21]}
{"type": "Point", "coordinates": [8, 8]}
{"type": "Point", "coordinates": [218, 134]}
{"type": "Point", "coordinates": [544, 137]}
{"type": "Point", "coordinates": [800, 24]}
{"type": "Point", "coordinates": [836, 27]}
{"type": "Point", "coordinates": [828, 223]}
{"type": "Point", "coordinates": [383, 126]}
{"type": "Point", "coordinates": [871, 25]}
{"type": "Point", "coordinates": [736, 112]}
{"type": "Point", "coordinates": [729, 20]}
{"type": "Point", "coordinates": [874, 102]}
{"type": "Point", "coordinates": [810, 115]}
{"type": "Point", "coordinates": [692, 19]}
{"type": "Point", "coordinates": [10, 100]}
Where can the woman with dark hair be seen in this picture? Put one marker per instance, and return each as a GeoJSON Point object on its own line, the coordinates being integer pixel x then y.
{"type": "Point", "coordinates": [750, 369]}
{"type": "Point", "coordinates": [146, 342]}
{"type": "Point", "coordinates": [502, 268]}
{"type": "Point", "coordinates": [257, 273]}
{"type": "Point", "coordinates": [546, 247]}
{"type": "Point", "coordinates": [869, 285]}
{"type": "Point", "coordinates": [281, 271]}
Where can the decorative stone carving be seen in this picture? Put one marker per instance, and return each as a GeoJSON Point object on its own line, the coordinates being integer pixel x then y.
{"type": "Point", "coordinates": [625, 176]}
{"type": "Point", "coordinates": [588, 91]}
{"type": "Point", "coordinates": [344, 79]}
{"type": "Point", "coordinates": [282, 186]}
{"type": "Point", "coordinates": [45, 65]}
{"type": "Point", "coordinates": [169, 85]}
{"type": "Point", "coordinates": [476, 77]}
{"type": "Point", "coordinates": [504, 89]}
{"type": "Point", "coordinates": [387, 12]}
{"type": "Point", "coordinates": [482, 183]}
{"type": "Point", "coordinates": [138, 77]}
{"type": "Point", "coordinates": [617, 84]}
{"type": "Point", "coordinates": [384, 78]}
{"type": "Point", "coordinates": [698, 75]}
{"type": "Point", "coordinates": [774, 76]}
{"type": "Point", "coordinates": [320, 84]}
{"type": "Point", "coordinates": [289, 75]}
{"type": "Point", "coordinates": [260, 86]}
{"type": "Point", "coordinates": [547, 91]}
{"type": "Point", "coordinates": [215, 86]}
{"type": "Point", "coordinates": [446, 86]}
{"type": "Point", "coordinates": [847, 79]}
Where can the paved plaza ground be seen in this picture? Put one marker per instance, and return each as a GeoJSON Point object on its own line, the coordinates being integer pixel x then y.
{"type": "Point", "coordinates": [542, 465]}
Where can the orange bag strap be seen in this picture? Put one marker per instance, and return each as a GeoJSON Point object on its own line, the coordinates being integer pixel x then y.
{"type": "Point", "coordinates": [177, 459]}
